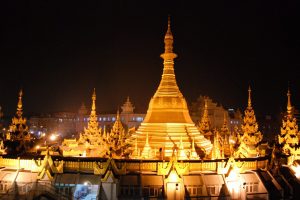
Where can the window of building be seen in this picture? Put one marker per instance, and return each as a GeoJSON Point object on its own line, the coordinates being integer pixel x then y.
{"type": "Point", "coordinates": [129, 190]}
{"type": "Point", "coordinates": [194, 190]}
{"type": "Point", "coordinates": [139, 119]}
{"type": "Point", "coordinates": [212, 190]}
{"type": "Point", "coordinates": [252, 187]}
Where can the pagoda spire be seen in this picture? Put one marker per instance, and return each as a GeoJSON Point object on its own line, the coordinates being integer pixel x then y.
{"type": "Point", "coordinates": [20, 104]}
{"type": "Point", "coordinates": [93, 111]}
{"type": "Point", "coordinates": [289, 104]}
{"type": "Point", "coordinates": [251, 137]}
{"type": "Point", "coordinates": [168, 85]}
{"type": "Point", "coordinates": [249, 97]}
{"type": "Point", "coordinates": [146, 153]}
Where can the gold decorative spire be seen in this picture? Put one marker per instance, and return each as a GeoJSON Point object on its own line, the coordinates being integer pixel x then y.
{"type": "Point", "coordinates": [93, 112]}
{"type": "Point", "coordinates": [147, 151]}
{"type": "Point", "coordinates": [249, 97]}
{"type": "Point", "coordinates": [251, 136]}
{"type": "Point", "coordinates": [289, 105]}
{"type": "Point", "coordinates": [169, 38]}
{"type": "Point", "coordinates": [20, 105]}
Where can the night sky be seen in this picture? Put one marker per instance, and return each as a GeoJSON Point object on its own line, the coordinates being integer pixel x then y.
{"type": "Point", "coordinates": [58, 51]}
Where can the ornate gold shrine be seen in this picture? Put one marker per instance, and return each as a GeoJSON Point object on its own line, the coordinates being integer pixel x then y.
{"type": "Point", "coordinates": [250, 138]}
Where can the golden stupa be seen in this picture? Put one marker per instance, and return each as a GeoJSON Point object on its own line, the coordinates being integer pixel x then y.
{"type": "Point", "coordinates": [168, 120]}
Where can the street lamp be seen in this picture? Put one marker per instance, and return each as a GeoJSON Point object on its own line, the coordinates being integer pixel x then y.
{"type": "Point", "coordinates": [53, 137]}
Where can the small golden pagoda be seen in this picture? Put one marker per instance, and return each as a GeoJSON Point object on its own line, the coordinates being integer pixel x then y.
{"type": "Point", "coordinates": [250, 137]}
{"type": "Point", "coordinates": [18, 138]}
{"type": "Point", "coordinates": [204, 124]}
{"type": "Point", "coordinates": [18, 130]}
{"type": "Point", "coordinates": [168, 119]}
{"type": "Point", "coordinates": [289, 134]}
{"type": "Point", "coordinates": [91, 135]}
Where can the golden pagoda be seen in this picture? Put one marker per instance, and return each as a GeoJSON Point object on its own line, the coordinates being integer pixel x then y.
{"type": "Point", "coordinates": [18, 129]}
{"type": "Point", "coordinates": [250, 137]}
{"type": "Point", "coordinates": [91, 135]}
{"type": "Point", "coordinates": [18, 138]}
{"type": "Point", "coordinates": [288, 138]}
{"type": "Point", "coordinates": [168, 119]}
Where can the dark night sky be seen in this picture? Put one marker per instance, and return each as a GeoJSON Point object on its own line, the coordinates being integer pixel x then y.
{"type": "Point", "coordinates": [58, 51]}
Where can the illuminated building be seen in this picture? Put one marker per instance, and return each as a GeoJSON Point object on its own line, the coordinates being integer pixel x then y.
{"type": "Point", "coordinates": [250, 137]}
{"type": "Point", "coordinates": [167, 120]}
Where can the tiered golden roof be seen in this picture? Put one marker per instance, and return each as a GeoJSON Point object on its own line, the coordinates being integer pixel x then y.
{"type": "Point", "coordinates": [168, 118]}
{"type": "Point", "coordinates": [289, 134]}
{"type": "Point", "coordinates": [250, 137]}
{"type": "Point", "coordinates": [116, 142]}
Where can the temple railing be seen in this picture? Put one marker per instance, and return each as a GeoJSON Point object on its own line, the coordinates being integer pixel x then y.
{"type": "Point", "coordinates": [123, 166]}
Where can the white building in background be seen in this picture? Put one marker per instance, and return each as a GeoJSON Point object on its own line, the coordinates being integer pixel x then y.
{"type": "Point", "coordinates": [69, 124]}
